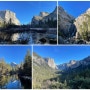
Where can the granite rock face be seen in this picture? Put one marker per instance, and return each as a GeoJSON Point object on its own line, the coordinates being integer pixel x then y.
{"type": "Point", "coordinates": [71, 30]}
{"type": "Point", "coordinates": [82, 24]}
{"type": "Point", "coordinates": [43, 14]}
{"type": "Point", "coordinates": [36, 19]}
{"type": "Point", "coordinates": [51, 16]}
{"type": "Point", "coordinates": [44, 17]}
{"type": "Point", "coordinates": [51, 63]}
{"type": "Point", "coordinates": [65, 21]}
{"type": "Point", "coordinates": [38, 60]}
{"type": "Point", "coordinates": [8, 16]}
{"type": "Point", "coordinates": [44, 61]}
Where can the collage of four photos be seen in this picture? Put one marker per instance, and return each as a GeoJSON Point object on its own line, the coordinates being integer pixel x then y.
{"type": "Point", "coordinates": [44, 44]}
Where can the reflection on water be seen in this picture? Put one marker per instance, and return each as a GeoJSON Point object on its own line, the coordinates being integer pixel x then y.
{"type": "Point", "coordinates": [26, 83]}
{"type": "Point", "coordinates": [10, 82]}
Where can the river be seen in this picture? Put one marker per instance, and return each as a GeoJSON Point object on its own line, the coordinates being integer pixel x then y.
{"type": "Point", "coordinates": [13, 82]}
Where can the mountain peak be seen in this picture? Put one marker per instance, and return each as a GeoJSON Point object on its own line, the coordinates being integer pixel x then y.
{"type": "Point", "coordinates": [5, 10]}
{"type": "Point", "coordinates": [74, 64]}
{"type": "Point", "coordinates": [87, 59]}
{"type": "Point", "coordinates": [44, 61]}
{"type": "Point", "coordinates": [51, 62]}
{"type": "Point", "coordinates": [88, 10]}
{"type": "Point", "coordinates": [44, 17]}
{"type": "Point", "coordinates": [43, 14]}
{"type": "Point", "coordinates": [7, 15]}
{"type": "Point", "coordinates": [8, 11]}
{"type": "Point", "coordinates": [60, 8]}
{"type": "Point", "coordinates": [72, 61]}
{"type": "Point", "coordinates": [13, 64]}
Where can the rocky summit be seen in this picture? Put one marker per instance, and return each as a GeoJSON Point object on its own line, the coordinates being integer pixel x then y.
{"type": "Point", "coordinates": [49, 62]}
{"type": "Point", "coordinates": [66, 66]}
{"type": "Point", "coordinates": [8, 16]}
{"type": "Point", "coordinates": [36, 19]}
{"type": "Point", "coordinates": [51, 16]}
{"type": "Point", "coordinates": [13, 64]}
{"type": "Point", "coordinates": [44, 19]}
{"type": "Point", "coordinates": [43, 14]}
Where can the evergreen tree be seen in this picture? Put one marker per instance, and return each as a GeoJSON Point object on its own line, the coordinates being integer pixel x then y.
{"type": "Point", "coordinates": [10, 21]}
{"type": "Point", "coordinates": [28, 64]}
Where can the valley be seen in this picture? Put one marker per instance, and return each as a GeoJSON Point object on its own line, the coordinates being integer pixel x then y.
{"type": "Point", "coordinates": [74, 74]}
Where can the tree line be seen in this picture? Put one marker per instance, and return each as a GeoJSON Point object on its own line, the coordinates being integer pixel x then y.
{"type": "Point", "coordinates": [25, 68]}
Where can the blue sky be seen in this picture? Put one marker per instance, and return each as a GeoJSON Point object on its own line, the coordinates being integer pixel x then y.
{"type": "Point", "coordinates": [75, 8]}
{"type": "Point", "coordinates": [13, 53]}
{"type": "Point", "coordinates": [25, 10]}
{"type": "Point", "coordinates": [63, 54]}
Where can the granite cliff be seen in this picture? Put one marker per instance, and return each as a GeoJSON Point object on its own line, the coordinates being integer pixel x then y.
{"type": "Point", "coordinates": [47, 62]}
{"type": "Point", "coordinates": [82, 24]}
{"type": "Point", "coordinates": [8, 16]}
{"type": "Point", "coordinates": [73, 30]}
{"type": "Point", "coordinates": [45, 19]}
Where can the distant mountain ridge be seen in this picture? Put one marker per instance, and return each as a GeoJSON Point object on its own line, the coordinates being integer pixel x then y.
{"type": "Point", "coordinates": [13, 64]}
{"type": "Point", "coordinates": [74, 64]}
{"type": "Point", "coordinates": [65, 66]}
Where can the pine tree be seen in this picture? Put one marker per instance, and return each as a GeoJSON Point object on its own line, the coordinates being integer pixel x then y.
{"type": "Point", "coordinates": [10, 21]}
{"type": "Point", "coordinates": [28, 64]}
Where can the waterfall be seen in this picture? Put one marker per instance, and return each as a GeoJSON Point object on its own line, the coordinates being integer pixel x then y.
{"type": "Point", "coordinates": [30, 39]}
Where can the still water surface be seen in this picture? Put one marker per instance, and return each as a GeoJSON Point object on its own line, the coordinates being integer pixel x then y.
{"type": "Point", "coordinates": [11, 82]}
